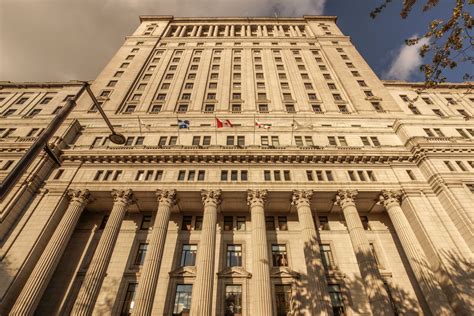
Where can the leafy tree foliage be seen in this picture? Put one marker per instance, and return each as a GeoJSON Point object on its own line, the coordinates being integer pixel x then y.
{"type": "Point", "coordinates": [449, 41]}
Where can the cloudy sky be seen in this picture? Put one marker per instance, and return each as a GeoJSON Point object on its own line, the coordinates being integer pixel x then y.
{"type": "Point", "coordinates": [57, 40]}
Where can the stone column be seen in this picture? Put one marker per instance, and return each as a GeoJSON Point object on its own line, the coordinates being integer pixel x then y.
{"type": "Point", "coordinates": [232, 30]}
{"type": "Point", "coordinates": [265, 32]}
{"type": "Point", "coordinates": [194, 30]}
{"type": "Point", "coordinates": [210, 30]}
{"type": "Point", "coordinates": [226, 30]}
{"type": "Point", "coordinates": [199, 31]}
{"type": "Point", "coordinates": [201, 301]}
{"type": "Point", "coordinates": [178, 30]}
{"type": "Point", "coordinates": [151, 267]}
{"type": "Point", "coordinates": [183, 31]}
{"type": "Point", "coordinates": [298, 31]}
{"type": "Point", "coordinates": [38, 280]}
{"type": "Point", "coordinates": [317, 284]}
{"type": "Point", "coordinates": [378, 296]}
{"type": "Point", "coordinates": [437, 301]}
{"type": "Point", "coordinates": [216, 30]}
{"type": "Point", "coordinates": [95, 274]}
{"type": "Point", "coordinates": [261, 285]}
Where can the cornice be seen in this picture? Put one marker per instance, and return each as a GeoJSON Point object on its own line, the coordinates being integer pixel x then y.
{"type": "Point", "coordinates": [23, 85]}
{"type": "Point", "coordinates": [216, 155]}
{"type": "Point", "coordinates": [237, 18]}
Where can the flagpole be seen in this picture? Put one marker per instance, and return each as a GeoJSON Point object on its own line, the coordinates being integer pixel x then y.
{"type": "Point", "coordinates": [177, 121]}
{"type": "Point", "coordinates": [292, 128]}
{"type": "Point", "coordinates": [254, 127]}
{"type": "Point", "coordinates": [139, 125]}
{"type": "Point", "coordinates": [215, 127]}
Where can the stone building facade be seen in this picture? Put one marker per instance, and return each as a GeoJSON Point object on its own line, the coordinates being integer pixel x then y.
{"type": "Point", "coordinates": [267, 170]}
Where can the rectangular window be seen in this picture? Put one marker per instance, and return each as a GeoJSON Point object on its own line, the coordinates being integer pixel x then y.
{"type": "Point", "coordinates": [234, 255]}
{"type": "Point", "coordinates": [269, 223]}
{"type": "Point", "coordinates": [449, 165]}
{"type": "Point", "coordinates": [282, 223]}
{"type": "Point", "coordinates": [146, 222]}
{"type": "Point", "coordinates": [279, 256]}
{"type": "Point", "coordinates": [365, 222]}
{"type": "Point", "coordinates": [201, 175]}
{"type": "Point", "coordinates": [337, 301]}
{"type": "Point", "coordinates": [243, 175]}
{"type": "Point", "coordinates": [198, 223]}
{"type": "Point", "coordinates": [233, 300]}
{"type": "Point", "coordinates": [241, 220]}
{"type": "Point", "coordinates": [182, 301]}
{"type": "Point", "coordinates": [411, 174]}
{"type": "Point", "coordinates": [188, 255]}
{"type": "Point", "coordinates": [276, 175]}
{"type": "Point", "coordinates": [323, 223]}
{"type": "Point", "coordinates": [283, 299]}
{"type": "Point", "coordinates": [428, 132]}
{"type": "Point", "coordinates": [141, 253]}
{"type": "Point", "coordinates": [286, 175]}
{"type": "Point", "coordinates": [461, 165]}
{"type": "Point", "coordinates": [186, 224]}
{"type": "Point", "coordinates": [267, 175]}
{"type": "Point", "coordinates": [228, 223]}
{"type": "Point", "coordinates": [342, 141]}
{"type": "Point", "coordinates": [326, 256]}
{"type": "Point", "coordinates": [462, 133]}
{"type": "Point", "coordinates": [129, 300]}
{"type": "Point", "coordinates": [191, 175]}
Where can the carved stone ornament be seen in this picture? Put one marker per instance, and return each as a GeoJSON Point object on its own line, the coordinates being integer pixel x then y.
{"type": "Point", "coordinates": [166, 196]}
{"type": "Point", "coordinates": [301, 197]}
{"type": "Point", "coordinates": [284, 272]}
{"type": "Point", "coordinates": [124, 196]}
{"type": "Point", "coordinates": [345, 197]}
{"type": "Point", "coordinates": [256, 197]}
{"type": "Point", "coordinates": [81, 196]}
{"type": "Point", "coordinates": [184, 272]}
{"type": "Point", "coordinates": [389, 197]}
{"type": "Point", "coordinates": [234, 272]}
{"type": "Point", "coordinates": [211, 197]}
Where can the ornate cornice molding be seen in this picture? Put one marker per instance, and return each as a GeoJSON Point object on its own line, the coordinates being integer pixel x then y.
{"type": "Point", "coordinates": [240, 156]}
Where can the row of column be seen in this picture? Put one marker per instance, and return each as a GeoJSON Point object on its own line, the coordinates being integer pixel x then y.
{"type": "Point", "coordinates": [232, 30]}
{"type": "Point", "coordinates": [202, 290]}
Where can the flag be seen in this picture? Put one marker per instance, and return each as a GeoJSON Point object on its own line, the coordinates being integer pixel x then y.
{"type": "Point", "coordinates": [183, 124]}
{"type": "Point", "coordinates": [297, 125]}
{"type": "Point", "coordinates": [262, 125]}
{"type": "Point", "coordinates": [221, 123]}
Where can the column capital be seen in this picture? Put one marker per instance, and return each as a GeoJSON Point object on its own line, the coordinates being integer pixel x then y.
{"type": "Point", "coordinates": [256, 197]}
{"type": "Point", "coordinates": [389, 197]}
{"type": "Point", "coordinates": [211, 197]}
{"type": "Point", "coordinates": [345, 197]}
{"type": "Point", "coordinates": [124, 196]}
{"type": "Point", "coordinates": [166, 197]}
{"type": "Point", "coordinates": [301, 197]}
{"type": "Point", "coordinates": [80, 196]}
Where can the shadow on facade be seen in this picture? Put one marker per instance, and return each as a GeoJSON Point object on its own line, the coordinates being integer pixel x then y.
{"type": "Point", "coordinates": [404, 302]}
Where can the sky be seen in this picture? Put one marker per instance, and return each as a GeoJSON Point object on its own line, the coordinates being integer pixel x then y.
{"type": "Point", "coordinates": [61, 40]}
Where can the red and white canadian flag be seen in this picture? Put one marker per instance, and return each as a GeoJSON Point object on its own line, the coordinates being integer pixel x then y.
{"type": "Point", "coordinates": [221, 123]}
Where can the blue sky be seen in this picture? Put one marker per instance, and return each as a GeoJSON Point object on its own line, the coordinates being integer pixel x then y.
{"type": "Point", "coordinates": [48, 40]}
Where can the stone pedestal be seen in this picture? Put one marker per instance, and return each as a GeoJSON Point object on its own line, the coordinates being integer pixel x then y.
{"type": "Point", "coordinates": [92, 283]}
{"type": "Point", "coordinates": [201, 302]}
{"type": "Point", "coordinates": [151, 267]}
{"type": "Point", "coordinates": [316, 278]}
{"type": "Point", "coordinates": [437, 301]}
{"type": "Point", "coordinates": [378, 297]}
{"type": "Point", "coordinates": [38, 281]}
{"type": "Point", "coordinates": [261, 292]}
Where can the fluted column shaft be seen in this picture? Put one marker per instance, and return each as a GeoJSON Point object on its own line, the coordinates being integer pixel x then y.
{"type": "Point", "coordinates": [201, 301]}
{"type": "Point", "coordinates": [435, 297]}
{"type": "Point", "coordinates": [376, 291]}
{"type": "Point", "coordinates": [38, 280]}
{"type": "Point", "coordinates": [261, 285]}
{"type": "Point", "coordinates": [92, 283]}
{"type": "Point", "coordinates": [199, 31]}
{"type": "Point", "coordinates": [151, 267]}
{"type": "Point", "coordinates": [317, 284]}
{"type": "Point", "coordinates": [178, 30]}
{"type": "Point", "coordinates": [183, 31]}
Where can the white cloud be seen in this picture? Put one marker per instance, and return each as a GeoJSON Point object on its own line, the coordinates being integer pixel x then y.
{"type": "Point", "coordinates": [46, 40]}
{"type": "Point", "coordinates": [407, 61]}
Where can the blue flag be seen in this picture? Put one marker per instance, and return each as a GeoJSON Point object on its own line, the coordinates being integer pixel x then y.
{"type": "Point", "coordinates": [183, 124]}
